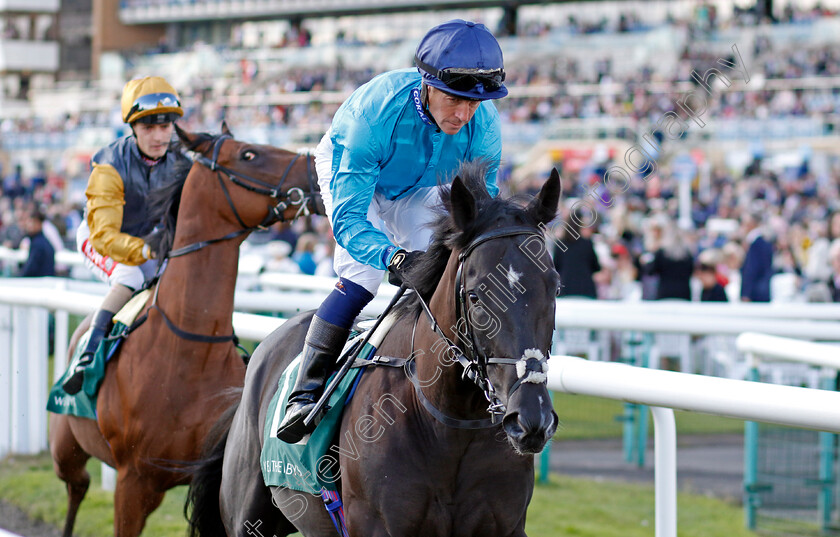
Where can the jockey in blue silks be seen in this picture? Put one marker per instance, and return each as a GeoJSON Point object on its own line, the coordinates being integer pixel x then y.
{"type": "Point", "coordinates": [380, 166]}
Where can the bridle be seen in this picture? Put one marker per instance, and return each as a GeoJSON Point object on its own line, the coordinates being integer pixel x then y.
{"type": "Point", "coordinates": [293, 197]}
{"type": "Point", "coordinates": [473, 359]}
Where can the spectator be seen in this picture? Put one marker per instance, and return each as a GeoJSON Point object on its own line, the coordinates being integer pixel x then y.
{"type": "Point", "coordinates": [834, 226]}
{"type": "Point", "coordinates": [732, 255]}
{"type": "Point", "coordinates": [758, 262]}
{"type": "Point", "coordinates": [11, 232]}
{"type": "Point", "coordinates": [673, 264]}
{"type": "Point", "coordinates": [624, 281]}
{"type": "Point", "coordinates": [41, 259]}
{"type": "Point", "coordinates": [578, 263]}
{"type": "Point", "coordinates": [279, 260]}
{"type": "Point", "coordinates": [52, 234]}
{"type": "Point", "coordinates": [305, 253]}
{"type": "Point", "coordinates": [834, 281]}
{"type": "Point", "coordinates": [706, 273]}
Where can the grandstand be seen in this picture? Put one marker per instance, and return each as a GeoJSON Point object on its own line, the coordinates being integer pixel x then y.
{"type": "Point", "coordinates": [581, 75]}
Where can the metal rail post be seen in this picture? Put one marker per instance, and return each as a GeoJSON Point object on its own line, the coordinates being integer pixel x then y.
{"type": "Point", "coordinates": [827, 455]}
{"type": "Point", "coordinates": [751, 499]}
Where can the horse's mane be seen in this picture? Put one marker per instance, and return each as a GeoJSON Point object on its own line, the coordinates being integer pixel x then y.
{"type": "Point", "coordinates": [425, 274]}
{"type": "Point", "coordinates": [163, 202]}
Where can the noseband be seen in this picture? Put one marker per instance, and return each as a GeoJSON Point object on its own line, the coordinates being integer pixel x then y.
{"type": "Point", "coordinates": [474, 360]}
{"type": "Point", "coordinates": [290, 198]}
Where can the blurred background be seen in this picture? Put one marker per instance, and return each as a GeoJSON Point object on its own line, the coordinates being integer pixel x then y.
{"type": "Point", "coordinates": [587, 81]}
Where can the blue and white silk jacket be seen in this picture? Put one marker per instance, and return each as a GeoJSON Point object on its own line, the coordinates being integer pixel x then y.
{"type": "Point", "coordinates": [383, 142]}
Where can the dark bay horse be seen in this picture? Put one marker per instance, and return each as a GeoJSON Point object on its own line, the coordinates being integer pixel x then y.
{"type": "Point", "coordinates": [161, 394]}
{"type": "Point", "coordinates": [419, 453]}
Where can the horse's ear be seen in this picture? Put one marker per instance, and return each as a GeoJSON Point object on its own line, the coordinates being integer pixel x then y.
{"type": "Point", "coordinates": [225, 129]}
{"type": "Point", "coordinates": [544, 207]}
{"type": "Point", "coordinates": [188, 139]}
{"type": "Point", "coordinates": [462, 204]}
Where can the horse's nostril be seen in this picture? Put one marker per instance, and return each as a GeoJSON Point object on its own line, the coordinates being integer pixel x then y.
{"type": "Point", "coordinates": [513, 427]}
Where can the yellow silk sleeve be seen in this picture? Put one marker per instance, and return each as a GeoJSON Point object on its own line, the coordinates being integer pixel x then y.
{"type": "Point", "coordinates": [105, 200]}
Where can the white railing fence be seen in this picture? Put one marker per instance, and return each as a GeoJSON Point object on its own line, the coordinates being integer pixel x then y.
{"type": "Point", "coordinates": [822, 362]}
{"type": "Point", "coordinates": [786, 405]}
{"type": "Point", "coordinates": [23, 320]}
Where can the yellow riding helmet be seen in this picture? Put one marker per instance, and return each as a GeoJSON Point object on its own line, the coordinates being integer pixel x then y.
{"type": "Point", "coordinates": [150, 100]}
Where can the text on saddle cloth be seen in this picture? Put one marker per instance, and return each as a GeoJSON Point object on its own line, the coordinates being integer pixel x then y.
{"type": "Point", "coordinates": [312, 464]}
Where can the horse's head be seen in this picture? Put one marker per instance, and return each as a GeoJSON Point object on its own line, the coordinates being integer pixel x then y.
{"type": "Point", "coordinates": [505, 289]}
{"type": "Point", "coordinates": [262, 184]}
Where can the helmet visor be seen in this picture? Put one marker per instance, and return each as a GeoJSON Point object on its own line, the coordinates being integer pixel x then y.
{"type": "Point", "coordinates": [465, 79]}
{"type": "Point", "coordinates": [153, 101]}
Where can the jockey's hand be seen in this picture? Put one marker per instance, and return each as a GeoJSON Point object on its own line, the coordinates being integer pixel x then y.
{"type": "Point", "coordinates": [400, 264]}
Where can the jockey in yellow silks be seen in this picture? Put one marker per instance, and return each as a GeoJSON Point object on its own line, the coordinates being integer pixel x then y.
{"type": "Point", "coordinates": [116, 215]}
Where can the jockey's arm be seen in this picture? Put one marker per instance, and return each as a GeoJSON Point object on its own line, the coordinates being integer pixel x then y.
{"type": "Point", "coordinates": [357, 168]}
{"type": "Point", "coordinates": [105, 201]}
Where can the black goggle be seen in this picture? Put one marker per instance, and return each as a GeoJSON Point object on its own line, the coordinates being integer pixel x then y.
{"type": "Point", "coordinates": [153, 101]}
{"type": "Point", "coordinates": [465, 79]}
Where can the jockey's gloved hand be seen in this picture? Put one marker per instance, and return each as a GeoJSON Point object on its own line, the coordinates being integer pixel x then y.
{"type": "Point", "coordinates": [400, 263]}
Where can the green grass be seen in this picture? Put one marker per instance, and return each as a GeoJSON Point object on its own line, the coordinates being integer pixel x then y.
{"type": "Point", "coordinates": [585, 417]}
{"type": "Point", "coordinates": [563, 507]}
{"type": "Point", "coordinates": [30, 483]}
{"type": "Point", "coordinates": [570, 507]}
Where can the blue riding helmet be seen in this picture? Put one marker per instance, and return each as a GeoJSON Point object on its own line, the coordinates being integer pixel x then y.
{"type": "Point", "coordinates": [464, 59]}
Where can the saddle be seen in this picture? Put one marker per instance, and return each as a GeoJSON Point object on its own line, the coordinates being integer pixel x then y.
{"type": "Point", "coordinates": [83, 404]}
{"type": "Point", "coordinates": [311, 465]}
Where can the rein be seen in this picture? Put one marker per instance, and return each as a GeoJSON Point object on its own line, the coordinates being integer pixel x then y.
{"type": "Point", "coordinates": [293, 197]}
{"type": "Point", "coordinates": [474, 361]}
{"type": "Point", "coordinates": [183, 334]}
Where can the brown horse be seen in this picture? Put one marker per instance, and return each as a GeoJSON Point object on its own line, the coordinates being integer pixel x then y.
{"type": "Point", "coordinates": [419, 453]}
{"type": "Point", "coordinates": [161, 394]}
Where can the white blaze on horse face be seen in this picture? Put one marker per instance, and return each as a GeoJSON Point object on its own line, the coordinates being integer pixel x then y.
{"type": "Point", "coordinates": [513, 278]}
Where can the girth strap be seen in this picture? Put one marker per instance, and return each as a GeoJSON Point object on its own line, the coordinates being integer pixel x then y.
{"type": "Point", "coordinates": [190, 336]}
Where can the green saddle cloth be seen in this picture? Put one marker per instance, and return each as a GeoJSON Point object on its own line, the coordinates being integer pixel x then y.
{"type": "Point", "coordinates": [306, 466]}
{"type": "Point", "coordinates": [83, 404]}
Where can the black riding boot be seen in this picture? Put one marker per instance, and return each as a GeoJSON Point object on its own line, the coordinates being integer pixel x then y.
{"type": "Point", "coordinates": [324, 342]}
{"type": "Point", "coordinates": [101, 324]}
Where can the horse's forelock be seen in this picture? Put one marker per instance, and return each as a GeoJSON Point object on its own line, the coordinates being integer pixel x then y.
{"type": "Point", "coordinates": [446, 236]}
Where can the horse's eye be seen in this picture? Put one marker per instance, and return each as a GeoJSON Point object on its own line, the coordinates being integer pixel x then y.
{"type": "Point", "coordinates": [558, 290]}
{"type": "Point", "coordinates": [249, 155]}
{"type": "Point", "coordinates": [473, 297]}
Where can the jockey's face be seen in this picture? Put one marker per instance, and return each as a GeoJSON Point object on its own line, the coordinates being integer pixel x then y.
{"type": "Point", "coordinates": [153, 140]}
{"type": "Point", "coordinates": [450, 112]}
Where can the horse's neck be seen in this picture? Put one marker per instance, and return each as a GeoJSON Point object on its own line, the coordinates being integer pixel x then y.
{"type": "Point", "coordinates": [196, 290]}
{"type": "Point", "coordinates": [450, 393]}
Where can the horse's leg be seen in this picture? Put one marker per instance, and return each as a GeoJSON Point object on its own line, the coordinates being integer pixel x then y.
{"type": "Point", "coordinates": [69, 460]}
{"type": "Point", "coordinates": [134, 500]}
{"type": "Point", "coordinates": [244, 501]}
{"type": "Point", "coordinates": [246, 508]}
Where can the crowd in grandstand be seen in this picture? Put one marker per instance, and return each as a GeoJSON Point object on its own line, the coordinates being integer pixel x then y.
{"type": "Point", "coordinates": [635, 248]}
{"type": "Point", "coordinates": [631, 248]}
